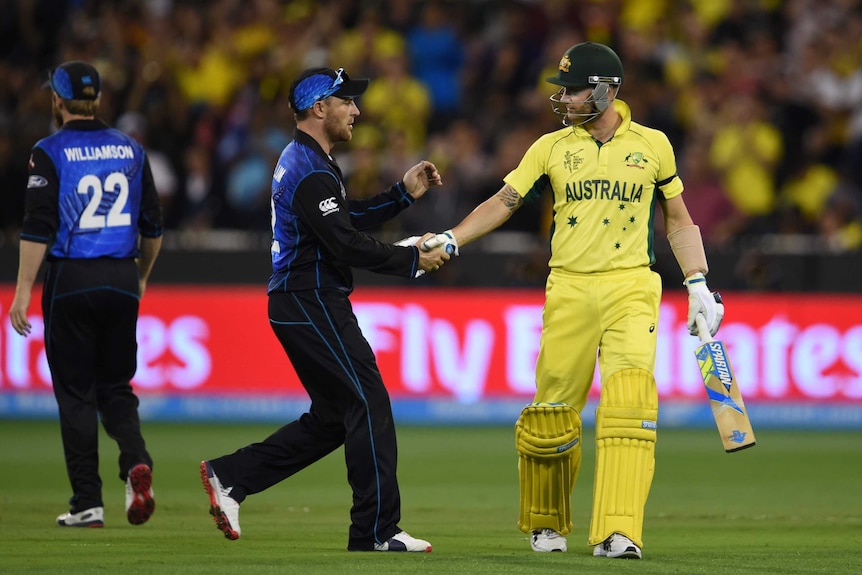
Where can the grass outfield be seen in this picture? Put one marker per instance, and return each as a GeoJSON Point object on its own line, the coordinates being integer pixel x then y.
{"type": "Point", "coordinates": [791, 505]}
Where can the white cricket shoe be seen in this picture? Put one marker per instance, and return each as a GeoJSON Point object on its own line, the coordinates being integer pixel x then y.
{"type": "Point", "coordinates": [92, 517]}
{"type": "Point", "coordinates": [547, 540]}
{"type": "Point", "coordinates": [617, 546]}
{"type": "Point", "coordinates": [223, 508]}
{"type": "Point", "coordinates": [402, 541]}
{"type": "Point", "coordinates": [140, 503]}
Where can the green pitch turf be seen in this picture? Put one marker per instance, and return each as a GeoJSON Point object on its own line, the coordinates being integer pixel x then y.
{"type": "Point", "coordinates": [790, 505]}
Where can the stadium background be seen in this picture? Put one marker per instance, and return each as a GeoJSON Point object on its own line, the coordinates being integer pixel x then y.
{"type": "Point", "coordinates": [762, 100]}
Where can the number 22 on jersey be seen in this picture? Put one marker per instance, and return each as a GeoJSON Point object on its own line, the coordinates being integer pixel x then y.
{"type": "Point", "coordinates": [117, 183]}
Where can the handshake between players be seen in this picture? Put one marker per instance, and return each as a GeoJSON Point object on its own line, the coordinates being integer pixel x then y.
{"type": "Point", "coordinates": [434, 250]}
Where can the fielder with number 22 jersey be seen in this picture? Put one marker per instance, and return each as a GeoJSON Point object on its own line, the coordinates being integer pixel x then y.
{"type": "Point", "coordinates": [99, 173]}
{"type": "Point", "coordinates": [93, 212]}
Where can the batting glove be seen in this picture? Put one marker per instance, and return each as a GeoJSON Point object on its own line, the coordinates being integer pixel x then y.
{"type": "Point", "coordinates": [411, 241]}
{"type": "Point", "coordinates": [445, 239]}
{"type": "Point", "coordinates": [702, 301]}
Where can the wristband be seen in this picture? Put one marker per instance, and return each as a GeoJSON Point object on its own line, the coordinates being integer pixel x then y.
{"type": "Point", "coordinates": [687, 246]}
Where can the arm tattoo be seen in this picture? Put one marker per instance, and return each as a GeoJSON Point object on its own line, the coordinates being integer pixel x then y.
{"type": "Point", "coordinates": [510, 198]}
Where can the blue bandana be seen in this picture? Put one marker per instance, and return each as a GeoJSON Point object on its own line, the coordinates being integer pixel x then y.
{"type": "Point", "coordinates": [316, 87]}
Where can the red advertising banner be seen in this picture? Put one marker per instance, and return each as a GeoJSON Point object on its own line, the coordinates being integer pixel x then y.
{"type": "Point", "coordinates": [463, 345]}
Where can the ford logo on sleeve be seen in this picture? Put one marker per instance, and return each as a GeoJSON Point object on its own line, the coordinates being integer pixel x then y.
{"type": "Point", "coordinates": [36, 182]}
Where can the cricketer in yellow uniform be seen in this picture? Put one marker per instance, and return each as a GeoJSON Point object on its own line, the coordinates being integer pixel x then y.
{"type": "Point", "coordinates": [601, 292]}
{"type": "Point", "coordinates": [606, 173]}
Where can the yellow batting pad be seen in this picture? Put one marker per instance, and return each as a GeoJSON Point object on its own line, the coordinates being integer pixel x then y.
{"type": "Point", "coordinates": [548, 438]}
{"type": "Point", "coordinates": [625, 454]}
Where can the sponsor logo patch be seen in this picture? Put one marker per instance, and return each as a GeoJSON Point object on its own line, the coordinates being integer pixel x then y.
{"type": "Point", "coordinates": [328, 206]}
{"type": "Point", "coordinates": [738, 436]}
{"type": "Point", "coordinates": [568, 445]}
{"type": "Point", "coordinates": [36, 182]}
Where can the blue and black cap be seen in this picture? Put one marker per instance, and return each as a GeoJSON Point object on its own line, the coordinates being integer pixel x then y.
{"type": "Point", "coordinates": [75, 80]}
{"type": "Point", "coordinates": [316, 84]}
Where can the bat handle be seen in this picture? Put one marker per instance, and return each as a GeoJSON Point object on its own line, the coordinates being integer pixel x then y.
{"type": "Point", "coordinates": [430, 244]}
{"type": "Point", "coordinates": [702, 328]}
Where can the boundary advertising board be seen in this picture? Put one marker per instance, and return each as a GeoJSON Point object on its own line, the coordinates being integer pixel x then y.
{"type": "Point", "coordinates": [456, 356]}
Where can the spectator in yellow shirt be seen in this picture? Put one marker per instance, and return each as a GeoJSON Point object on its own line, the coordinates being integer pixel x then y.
{"type": "Point", "coordinates": [397, 101]}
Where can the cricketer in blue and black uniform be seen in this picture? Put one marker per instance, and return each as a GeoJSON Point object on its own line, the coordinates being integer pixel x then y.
{"type": "Point", "coordinates": [316, 242]}
{"type": "Point", "coordinates": [91, 210]}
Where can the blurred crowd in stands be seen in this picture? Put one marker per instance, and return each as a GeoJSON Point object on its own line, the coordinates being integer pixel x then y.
{"type": "Point", "coordinates": [762, 99]}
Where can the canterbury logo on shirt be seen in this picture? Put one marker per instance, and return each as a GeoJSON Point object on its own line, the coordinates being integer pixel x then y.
{"type": "Point", "coordinates": [328, 206]}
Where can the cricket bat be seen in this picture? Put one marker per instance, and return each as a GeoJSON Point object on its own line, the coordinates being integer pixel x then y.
{"type": "Point", "coordinates": [728, 409]}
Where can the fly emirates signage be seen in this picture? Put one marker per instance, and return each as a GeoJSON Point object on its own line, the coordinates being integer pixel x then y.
{"type": "Point", "coordinates": [462, 345]}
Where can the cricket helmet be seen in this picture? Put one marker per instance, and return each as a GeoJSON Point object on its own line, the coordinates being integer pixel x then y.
{"type": "Point", "coordinates": [586, 65]}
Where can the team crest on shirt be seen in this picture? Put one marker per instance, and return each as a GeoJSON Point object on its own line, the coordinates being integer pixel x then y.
{"type": "Point", "coordinates": [343, 192]}
{"type": "Point", "coordinates": [572, 161]}
{"type": "Point", "coordinates": [565, 63]}
{"type": "Point", "coordinates": [635, 160]}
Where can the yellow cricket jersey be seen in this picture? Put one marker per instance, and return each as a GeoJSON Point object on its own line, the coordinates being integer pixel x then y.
{"type": "Point", "coordinates": [604, 194]}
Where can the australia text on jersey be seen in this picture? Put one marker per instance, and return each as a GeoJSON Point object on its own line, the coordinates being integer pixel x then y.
{"type": "Point", "coordinates": [106, 152]}
{"type": "Point", "coordinates": [604, 190]}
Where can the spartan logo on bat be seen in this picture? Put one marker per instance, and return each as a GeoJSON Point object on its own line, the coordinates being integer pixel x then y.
{"type": "Point", "coordinates": [712, 360]}
{"type": "Point", "coordinates": [721, 369]}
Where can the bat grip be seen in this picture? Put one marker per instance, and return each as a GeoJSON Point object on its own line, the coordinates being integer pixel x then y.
{"type": "Point", "coordinates": [430, 244]}
{"type": "Point", "coordinates": [702, 328]}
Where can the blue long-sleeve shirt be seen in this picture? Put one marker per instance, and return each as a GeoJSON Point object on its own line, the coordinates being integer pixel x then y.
{"type": "Point", "coordinates": [90, 193]}
{"type": "Point", "coordinates": [316, 229]}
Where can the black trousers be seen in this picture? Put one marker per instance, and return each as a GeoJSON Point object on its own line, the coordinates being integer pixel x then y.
{"type": "Point", "coordinates": [90, 308]}
{"type": "Point", "coordinates": [349, 406]}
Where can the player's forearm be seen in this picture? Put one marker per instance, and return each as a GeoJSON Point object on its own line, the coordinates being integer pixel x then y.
{"type": "Point", "coordinates": [149, 248]}
{"type": "Point", "coordinates": [30, 259]}
{"type": "Point", "coordinates": [687, 246]}
{"type": "Point", "coordinates": [488, 216]}
{"type": "Point", "coordinates": [684, 238]}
